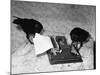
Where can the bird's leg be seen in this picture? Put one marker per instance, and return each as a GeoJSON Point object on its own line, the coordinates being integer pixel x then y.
{"type": "Point", "coordinates": [74, 48]}
{"type": "Point", "coordinates": [79, 45]}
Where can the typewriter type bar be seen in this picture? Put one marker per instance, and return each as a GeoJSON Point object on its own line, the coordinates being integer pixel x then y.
{"type": "Point", "coordinates": [54, 42]}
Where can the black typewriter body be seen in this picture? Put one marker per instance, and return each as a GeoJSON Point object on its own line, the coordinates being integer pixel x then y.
{"type": "Point", "coordinates": [66, 56]}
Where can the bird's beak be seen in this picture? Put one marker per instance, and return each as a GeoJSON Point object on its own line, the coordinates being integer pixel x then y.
{"type": "Point", "coordinates": [42, 31]}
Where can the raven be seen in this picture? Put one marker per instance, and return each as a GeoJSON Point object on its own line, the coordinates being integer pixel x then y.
{"type": "Point", "coordinates": [78, 37]}
{"type": "Point", "coordinates": [29, 26]}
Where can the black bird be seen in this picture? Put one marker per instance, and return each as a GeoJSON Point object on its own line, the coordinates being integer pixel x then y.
{"type": "Point", "coordinates": [29, 26]}
{"type": "Point", "coordinates": [78, 37]}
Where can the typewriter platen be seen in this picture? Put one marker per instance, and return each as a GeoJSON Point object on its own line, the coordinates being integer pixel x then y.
{"type": "Point", "coordinates": [66, 56]}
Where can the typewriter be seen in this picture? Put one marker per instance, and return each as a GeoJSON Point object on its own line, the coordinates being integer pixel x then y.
{"type": "Point", "coordinates": [65, 56]}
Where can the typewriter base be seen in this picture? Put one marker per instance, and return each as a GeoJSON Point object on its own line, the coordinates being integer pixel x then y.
{"type": "Point", "coordinates": [66, 56]}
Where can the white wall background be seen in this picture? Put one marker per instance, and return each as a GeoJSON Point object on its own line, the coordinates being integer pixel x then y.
{"type": "Point", "coordinates": [61, 18]}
